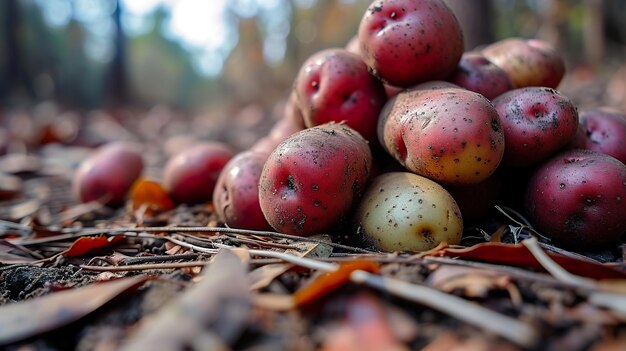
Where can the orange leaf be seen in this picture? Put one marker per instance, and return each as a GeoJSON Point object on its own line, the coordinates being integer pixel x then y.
{"type": "Point", "coordinates": [150, 195]}
{"type": "Point", "coordinates": [519, 256]}
{"type": "Point", "coordinates": [85, 245]}
{"type": "Point", "coordinates": [328, 282]}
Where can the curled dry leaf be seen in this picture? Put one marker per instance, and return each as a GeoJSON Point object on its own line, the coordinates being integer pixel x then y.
{"type": "Point", "coordinates": [150, 196]}
{"type": "Point", "coordinates": [330, 281]}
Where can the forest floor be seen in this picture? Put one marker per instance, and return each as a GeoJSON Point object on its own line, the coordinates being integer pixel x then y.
{"type": "Point", "coordinates": [85, 277]}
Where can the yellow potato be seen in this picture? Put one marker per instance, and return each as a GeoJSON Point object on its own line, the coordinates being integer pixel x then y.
{"type": "Point", "coordinates": [402, 211]}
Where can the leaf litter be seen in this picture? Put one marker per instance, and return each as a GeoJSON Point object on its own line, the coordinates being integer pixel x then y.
{"type": "Point", "coordinates": [150, 275]}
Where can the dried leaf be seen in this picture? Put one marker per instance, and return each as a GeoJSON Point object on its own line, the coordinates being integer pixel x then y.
{"type": "Point", "coordinates": [265, 275]}
{"type": "Point", "coordinates": [151, 196]}
{"type": "Point", "coordinates": [10, 186]}
{"type": "Point", "coordinates": [220, 302]}
{"type": "Point", "coordinates": [32, 317]}
{"type": "Point", "coordinates": [475, 283]}
{"type": "Point", "coordinates": [518, 255]}
{"type": "Point", "coordinates": [330, 281]}
{"type": "Point", "coordinates": [365, 328]}
{"type": "Point", "coordinates": [23, 209]}
{"type": "Point", "coordinates": [19, 163]}
{"type": "Point", "coordinates": [88, 245]}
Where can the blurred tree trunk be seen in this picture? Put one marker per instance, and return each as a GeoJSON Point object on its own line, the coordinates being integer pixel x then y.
{"type": "Point", "coordinates": [593, 32]}
{"type": "Point", "coordinates": [116, 84]}
{"type": "Point", "coordinates": [474, 17]}
{"type": "Point", "coordinates": [13, 71]}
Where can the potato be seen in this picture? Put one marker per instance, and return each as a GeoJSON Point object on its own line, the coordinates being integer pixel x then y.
{"type": "Point", "coordinates": [449, 135]}
{"type": "Point", "coordinates": [405, 42]}
{"type": "Point", "coordinates": [477, 200]}
{"type": "Point", "coordinates": [402, 211]}
{"type": "Point", "coordinates": [578, 198]}
{"type": "Point", "coordinates": [335, 85]}
{"type": "Point", "coordinates": [108, 174]}
{"type": "Point", "coordinates": [476, 73]}
{"type": "Point", "coordinates": [602, 131]}
{"type": "Point", "coordinates": [311, 179]}
{"type": "Point", "coordinates": [528, 62]}
{"type": "Point", "coordinates": [236, 194]}
{"type": "Point", "coordinates": [537, 122]}
{"type": "Point", "coordinates": [190, 175]}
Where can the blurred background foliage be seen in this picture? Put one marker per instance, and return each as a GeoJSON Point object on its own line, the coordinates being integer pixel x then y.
{"type": "Point", "coordinates": [190, 54]}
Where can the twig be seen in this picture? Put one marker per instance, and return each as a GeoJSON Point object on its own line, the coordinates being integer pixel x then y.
{"type": "Point", "coordinates": [143, 267]}
{"type": "Point", "coordinates": [160, 258]}
{"type": "Point", "coordinates": [506, 327]}
{"type": "Point", "coordinates": [554, 269]}
{"type": "Point", "coordinates": [520, 224]}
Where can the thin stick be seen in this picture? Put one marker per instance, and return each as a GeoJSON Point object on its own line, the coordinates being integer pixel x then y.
{"type": "Point", "coordinates": [506, 327]}
{"type": "Point", "coordinates": [554, 269]}
{"type": "Point", "coordinates": [143, 267]}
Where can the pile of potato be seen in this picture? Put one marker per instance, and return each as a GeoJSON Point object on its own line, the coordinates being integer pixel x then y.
{"type": "Point", "coordinates": [401, 136]}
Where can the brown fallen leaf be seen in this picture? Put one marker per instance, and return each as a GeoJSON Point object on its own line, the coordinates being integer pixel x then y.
{"type": "Point", "coordinates": [265, 275]}
{"type": "Point", "coordinates": [26, 319]}
{"type": "Point", "coordinates": [473, 282]}
{"type": "Point", "coordinates": [212, 312]}
{"type": "Point", "coordinates": [518, 255]}
{"type": "Point", "coordinates": [365, 328]}
{"type": "Point", "coordinates": [10, 186]}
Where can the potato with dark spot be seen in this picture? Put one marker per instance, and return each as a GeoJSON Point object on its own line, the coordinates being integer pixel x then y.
{"type": "Point", "coordinates": [335, 85]}
{"type": "Point", "coordinates": [402, 211]}
{"type": "Point", "coordinates": [108, 174]}
{"type": "Point", "coordinates": [602, 131]}
{"type": "Point", "coordinates": [236, 195]}
{"type": "Point", "coordinates": [311, 179]}
{"type": "Point", "coordinates": [529, 62]}
{"type": "Point", "coordinates": [578, 198]}
{"type": "Point", "coordinates": [537, 122]}
{"type": "Point", "coordinates": [405, 42]}
{"type": "Point", "coordinates": [450, 135]}
{"type": "Point", "coordinates": [476, 73]}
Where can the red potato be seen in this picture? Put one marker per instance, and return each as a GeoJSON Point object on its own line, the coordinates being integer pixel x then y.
{"type": "Point", "coordinates": [537, 122]}
{"type": "Point", "coordinates": [108, 174]}
{"type": "Point", "coordinates": [405, 42]}
{"type": "Point", "coordinates": [476, 200]}
{"type": "Point", "coordinates": [402, 211]}
{"type": "Point", "coordinates": [190, 175]}
{"type": "Point", "coordinates": [578, 198]}
{"type": "Point", "coordinates": [476, 73]}
{"type": "Point", "coordinates": [528, 62]}
{"type": "Point", "coordinates": [335, 85]}
{"type": "Point", "coordinates": [311, 179]}
{"type": "Point", "coordinates": [449, 135]}
{"type": "Point", "coordinates": [354, 46]}
{"type": "Point", "coordinates": [602, 131]}
{"type": "Point", "coordinates": [236, 195]}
